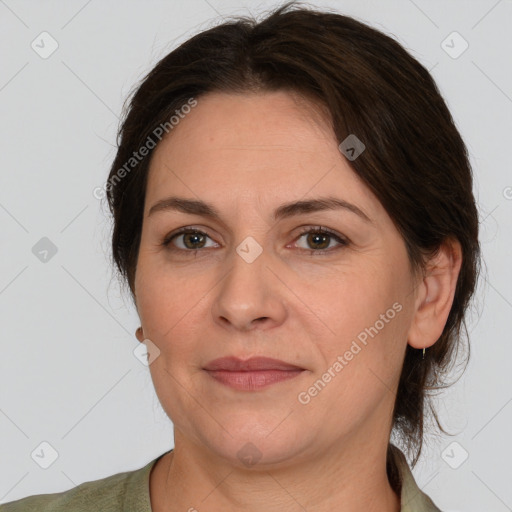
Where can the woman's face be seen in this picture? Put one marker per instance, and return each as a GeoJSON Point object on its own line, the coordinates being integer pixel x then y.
{"type": "Point", "coordinates": [256, 285]}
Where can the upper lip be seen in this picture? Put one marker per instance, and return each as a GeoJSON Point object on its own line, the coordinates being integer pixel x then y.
{"type": "Point", "coordinates": [234, 364]}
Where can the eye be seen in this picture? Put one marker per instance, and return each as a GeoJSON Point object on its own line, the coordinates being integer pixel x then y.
{"type": "Point", "coordinates": [319, 237]}
{"type": "Point", "coordinates": [193, 239]}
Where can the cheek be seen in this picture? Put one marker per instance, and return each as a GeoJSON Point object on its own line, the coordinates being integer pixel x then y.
{"type": "Point", "coordinates": [361, 362]}
{"type": "Point", "coordinates": [157, 301]}
{"type": "Point", "coordinates": [366, 312]}
{"type": "Point", "coordinates": [169, 306]}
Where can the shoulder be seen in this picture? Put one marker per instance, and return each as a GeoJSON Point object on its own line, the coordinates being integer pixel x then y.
{"type": "Point", "coordinates": [123, 492]}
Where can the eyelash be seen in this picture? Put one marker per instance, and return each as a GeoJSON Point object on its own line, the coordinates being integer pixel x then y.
{"type": "Point", "coordinates": [317, 230]}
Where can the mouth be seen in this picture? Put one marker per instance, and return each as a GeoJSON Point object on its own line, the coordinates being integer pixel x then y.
{"type": "Point", "coordinates": [252, 374]}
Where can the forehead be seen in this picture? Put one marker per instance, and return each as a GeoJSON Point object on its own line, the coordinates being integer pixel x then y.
{"type": "Point", "coordinates": [262, 122]}
{"type": "Point", "coordinates": [253, 145]}
{"type": "Point", "coordinates": [243, 113]}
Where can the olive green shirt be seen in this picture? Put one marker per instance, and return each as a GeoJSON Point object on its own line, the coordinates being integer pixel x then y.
{"type": "Point", "coordinates": [129, 492]}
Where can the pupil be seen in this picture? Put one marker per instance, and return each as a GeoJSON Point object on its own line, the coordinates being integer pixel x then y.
{"type": "Point", "coordinates": [194, 235]}
{"type": "Point", "coordinates": [319, 236]}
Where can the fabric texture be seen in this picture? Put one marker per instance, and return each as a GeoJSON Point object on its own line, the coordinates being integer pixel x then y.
{"type": "Point", "coordinates": [129, 492]}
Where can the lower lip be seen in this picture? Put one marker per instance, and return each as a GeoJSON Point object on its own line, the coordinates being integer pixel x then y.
{"type": "Point", "coordinates": [252, 380]}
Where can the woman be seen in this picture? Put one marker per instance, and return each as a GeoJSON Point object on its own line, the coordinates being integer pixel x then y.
{"type": "Point", "coordinates": [294, 217]}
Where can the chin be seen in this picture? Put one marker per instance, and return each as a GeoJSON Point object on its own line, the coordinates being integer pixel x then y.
{"type": "Point", "coordinates": [257, 444]}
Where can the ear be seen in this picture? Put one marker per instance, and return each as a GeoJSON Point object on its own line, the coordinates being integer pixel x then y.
{"type": "Point", "coordinates": [139, 334]}
{"type": "Point", "coordinates": [434, 296]}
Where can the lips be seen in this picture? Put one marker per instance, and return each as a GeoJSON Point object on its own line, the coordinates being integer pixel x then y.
{"type": "Point", "coordinates": [234, 364]}
{"type": "Point", "coordinates": [254, 374]}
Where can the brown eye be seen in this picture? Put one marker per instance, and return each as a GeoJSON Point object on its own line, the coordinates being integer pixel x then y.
{"type": "Point", "coordinates": [319, 239]}
{"type": "Point", "coordinates": [191, 239]}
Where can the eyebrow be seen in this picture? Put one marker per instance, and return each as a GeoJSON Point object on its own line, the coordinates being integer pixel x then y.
{"type": "Point", "coordinates": [198, 207]}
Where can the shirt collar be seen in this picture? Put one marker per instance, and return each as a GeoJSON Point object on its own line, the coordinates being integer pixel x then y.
{"type": "Point", "coordinates": [412, 498]}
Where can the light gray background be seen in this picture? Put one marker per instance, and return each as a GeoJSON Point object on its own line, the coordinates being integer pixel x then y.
{"type": "Point", "coordinates": [68, 373]}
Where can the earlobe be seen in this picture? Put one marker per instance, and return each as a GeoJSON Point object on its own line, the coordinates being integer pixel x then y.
{"type": "Point", "coordinates": [139, 333]}
{"type": "Point", "coordinates": [436, 294]}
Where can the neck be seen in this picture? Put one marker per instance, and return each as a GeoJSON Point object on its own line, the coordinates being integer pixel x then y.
{"type": "Point", "coordinates": [352, 478]}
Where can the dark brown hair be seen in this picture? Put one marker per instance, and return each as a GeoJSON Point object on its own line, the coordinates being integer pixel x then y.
{"type": "Point", "coordinates": [415, 161]}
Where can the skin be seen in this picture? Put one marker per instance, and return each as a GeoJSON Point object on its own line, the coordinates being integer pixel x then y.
{"type": "Point", "coordinates": [247, 154]}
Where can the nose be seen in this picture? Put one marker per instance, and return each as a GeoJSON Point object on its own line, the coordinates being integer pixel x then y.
{"type": "Point", "coordinates": [250, 296]}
